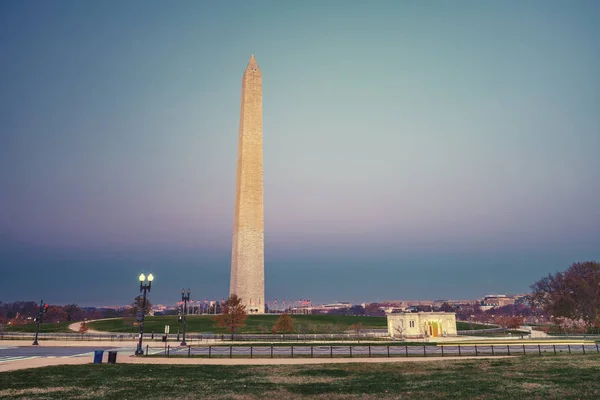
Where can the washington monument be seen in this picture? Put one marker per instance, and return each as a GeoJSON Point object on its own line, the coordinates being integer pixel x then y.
{"type": "Point", "coordinates": [248, 250]}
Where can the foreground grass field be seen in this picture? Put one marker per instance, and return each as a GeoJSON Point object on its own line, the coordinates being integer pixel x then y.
{"type": "Point", "coordinates": [555, 377]}
{"type": "Point", "coordinates": [254, 324]}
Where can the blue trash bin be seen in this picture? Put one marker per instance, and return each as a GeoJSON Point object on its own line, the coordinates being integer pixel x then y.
{"type": "Point", "coordinates": [98, 356]}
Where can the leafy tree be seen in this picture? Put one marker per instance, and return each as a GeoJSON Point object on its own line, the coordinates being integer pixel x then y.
{"type": "Point", "coordinates": [55, 314]}
{"type": "Point", "coordinates": [83, 327]}
{"type": "Point", "coordinates": [571, 325]}
{"type": "Point", "coordinates": [285, 324]}
{"type": "Point", "coordinates": [357, 310]}
{"type": "Point", "coordinates": [447, 307]}
{"type": "Point", "coordinates": [233, 316]}
{"type": "Point", "coordinates": [470, 312]}
{"type": "Point", "coordinates": [373, 310]}
{"type": "Point", "coordinates": [508, 322]}
{"type": "Point", "coordinates": [17, 320]}
{"type": "Point", "coordinates": [73, 312]}
{"type": "Point", "coordinates": [109, 312]}
{"type": "Point", "coordinates": [573, 294]}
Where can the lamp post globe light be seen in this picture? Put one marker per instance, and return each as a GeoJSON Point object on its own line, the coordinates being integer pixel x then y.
{"type": "Point", "coordinates": [185, 300]}
{"type": "Point", "coordinates": [140, 317]}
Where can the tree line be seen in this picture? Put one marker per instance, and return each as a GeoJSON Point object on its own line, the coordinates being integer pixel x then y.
{"type": "Point", "coordinates": [572, 297]}
{"type": "Point", "coordinates": [23, 312]}
{"type": "Point", "coordinates": [569, 299]}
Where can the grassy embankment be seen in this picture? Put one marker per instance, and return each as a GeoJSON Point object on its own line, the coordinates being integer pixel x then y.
{"type": "Point", "coordinates": [205, 323]}
{"type": "Point", "coordinates": [60, 327]}
{"type": "Point", "coordinates": [545, 377]}
{"type": "Point", "coordinates": [254, 324]}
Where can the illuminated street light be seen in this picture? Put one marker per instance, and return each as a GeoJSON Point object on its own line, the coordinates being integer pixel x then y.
{"type": "Point", "coordinates": [143, 288]}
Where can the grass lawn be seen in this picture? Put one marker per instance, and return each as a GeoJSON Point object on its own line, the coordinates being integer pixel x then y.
{"type": "Point", "coordinates": [254, 324]}
{"type": "Point", "coordinates": [547, 377]}
{"type": "Point", "coordinates": [465, 326]}
{"type": "Point", "coordinates": [44, 327]}
{"type": "Point", "coordinates": [204, 323]}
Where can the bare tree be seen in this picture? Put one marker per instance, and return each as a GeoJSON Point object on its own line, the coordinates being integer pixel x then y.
{"type": "Point", "coordinates": [356, 329]}
{"type": "Point", "coordinates": [399, 331]}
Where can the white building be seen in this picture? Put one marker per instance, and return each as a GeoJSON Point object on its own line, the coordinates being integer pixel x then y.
{"type": "Point", "coordinates": [421, 324]}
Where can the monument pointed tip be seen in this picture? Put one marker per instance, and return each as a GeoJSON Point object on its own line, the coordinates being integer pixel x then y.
{"type": "Point", "coordinates": [252, 63]}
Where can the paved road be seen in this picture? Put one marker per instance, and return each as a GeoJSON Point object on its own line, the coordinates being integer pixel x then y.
{"type": "Point", "coordinates": [15, 353]}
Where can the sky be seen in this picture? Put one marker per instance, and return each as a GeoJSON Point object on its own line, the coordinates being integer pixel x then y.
{"type": "Point", "coordinates": [412, 149]}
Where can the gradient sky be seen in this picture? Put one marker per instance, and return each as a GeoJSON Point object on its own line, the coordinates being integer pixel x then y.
{"type": "Point", "coordinates": [412, 149]}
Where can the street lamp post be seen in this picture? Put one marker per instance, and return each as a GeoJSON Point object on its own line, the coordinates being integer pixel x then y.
{"type": "Point", "coordinates": [38, 320]}
{"type": "Point", "coordinates": [143, 288]}
{"type": "Point", "coordinates": [185, 300]}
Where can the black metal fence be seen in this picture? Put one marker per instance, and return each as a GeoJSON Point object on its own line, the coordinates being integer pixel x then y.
{"type": "Point", "coordinates": [116, 337]}
{"type": "Point", "coordinates": [208, 337]}
{"type": "Point", "coordinates": [71, 336]}
{"type": "Point", "coordinates": [480, 331]}
{"type": "Point", "coordinates": [367, 351]}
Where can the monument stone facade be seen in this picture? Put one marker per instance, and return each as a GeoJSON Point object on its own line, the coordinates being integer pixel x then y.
{"type": "Point", "coordinates": [247, 255]}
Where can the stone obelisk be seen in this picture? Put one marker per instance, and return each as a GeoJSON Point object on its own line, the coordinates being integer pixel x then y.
{"type": "Point", "coordinates": [247, 255]}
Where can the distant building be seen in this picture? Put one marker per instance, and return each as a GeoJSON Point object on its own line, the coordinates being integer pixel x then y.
{"type": "Point", "coordinates": [497, 300]}
{"type": "Point", "coordinates": [337, 306]}
{"type": "Point", "coordinates": [421, 324]}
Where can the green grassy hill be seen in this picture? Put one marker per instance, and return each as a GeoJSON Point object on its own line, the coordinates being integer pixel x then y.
{"type": "Point", "coordinates": [205, 323]}
{"type": "Point", "coordinates": [254, 324]}
{"type": "Point", "coordinates": [44, 327]}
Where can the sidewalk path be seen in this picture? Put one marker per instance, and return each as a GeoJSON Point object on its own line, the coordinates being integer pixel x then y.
{"type": "Point", "coordinates": [72, 343]}
{"type": "Point", "coordinates": [76, 325]}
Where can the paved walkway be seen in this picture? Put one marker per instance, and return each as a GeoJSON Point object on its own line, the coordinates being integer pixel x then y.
{"type": "Point", "coordinates": [76, 325]}
{"type": "Point", "coordinates": [73, 343]}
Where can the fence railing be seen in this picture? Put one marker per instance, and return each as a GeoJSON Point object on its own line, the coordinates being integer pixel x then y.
{"type": "Point", "coordinates": [366, 351]}
{"type": "Point", "coordinates": [115, 337]}
{"type": "Point", "coordinates": [208, 337]}
{"type": "Point", "coordinates": [474, 331]}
